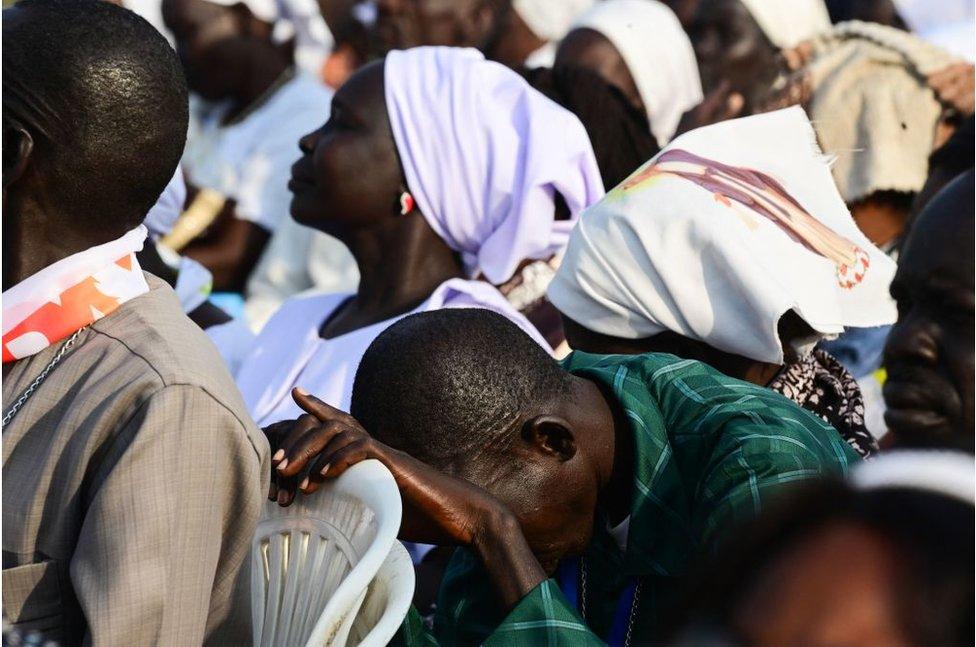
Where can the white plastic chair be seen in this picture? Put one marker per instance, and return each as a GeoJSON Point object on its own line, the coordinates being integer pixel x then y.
{"type": "Point", "coordinates": [311, 563]}
{"type": "Point", "coordinates": [387, 601]}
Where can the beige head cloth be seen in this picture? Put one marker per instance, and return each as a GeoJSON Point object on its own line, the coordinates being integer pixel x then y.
{"type": "Point", "coordinates": [871, 106]}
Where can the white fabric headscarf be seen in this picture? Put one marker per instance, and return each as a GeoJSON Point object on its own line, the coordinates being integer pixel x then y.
{"type": "Point", "coordinates": [691, 246]}
{"type": "Point", "coordinates": [484, 153]}
{"type": "Point", "coordinates": [948, 473]}
{"type": "Point", "coordinates": [658, 54]}
{"type": "Point", "coordinates": [550, 19]}
{"type": "Point", "coordinates": [788, 22]}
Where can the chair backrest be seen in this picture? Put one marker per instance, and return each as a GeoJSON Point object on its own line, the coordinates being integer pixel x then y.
{"type": "Point", "coordinates": [311, 563]}
{"type": "Point", "coordinates": [387, 601]}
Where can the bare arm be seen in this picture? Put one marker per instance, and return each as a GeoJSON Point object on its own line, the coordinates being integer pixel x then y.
{"type": "Point", "coordinates": [437, 508]}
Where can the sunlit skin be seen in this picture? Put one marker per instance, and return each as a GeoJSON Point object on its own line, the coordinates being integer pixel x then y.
{"type": "Point", "coordinates": [929, 353]}
{"type": "Point", "coordinates": [521, 510]}
{"type": "Point", "coordinates": [227, 55]}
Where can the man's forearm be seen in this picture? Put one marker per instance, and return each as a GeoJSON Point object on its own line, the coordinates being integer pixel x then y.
{"type": "Point", "coordinates": [512, 567]}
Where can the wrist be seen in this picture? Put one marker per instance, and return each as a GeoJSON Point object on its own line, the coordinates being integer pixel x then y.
{"type": "Point", "coordinates": [497, 523]}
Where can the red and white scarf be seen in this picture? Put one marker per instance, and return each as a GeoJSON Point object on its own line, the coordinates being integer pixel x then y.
{"type": "Point", "coordinates": [65, 297]}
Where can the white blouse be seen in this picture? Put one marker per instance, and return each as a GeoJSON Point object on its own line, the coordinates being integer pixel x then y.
{"type": "Point", "coordinates": [289, 351]}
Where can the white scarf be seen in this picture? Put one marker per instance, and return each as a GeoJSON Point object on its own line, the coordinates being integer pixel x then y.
{"type": "Point", "coordinates": [727, 229]}
{"type": "Point", "coordinates": [65, 297]}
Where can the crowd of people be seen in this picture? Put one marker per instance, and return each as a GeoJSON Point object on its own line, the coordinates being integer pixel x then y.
{"type": "Point", "coordinates": [660, 313]}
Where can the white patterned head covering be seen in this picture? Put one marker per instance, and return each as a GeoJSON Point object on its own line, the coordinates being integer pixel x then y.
{"type": "Point", "coordinates": [723, 232]}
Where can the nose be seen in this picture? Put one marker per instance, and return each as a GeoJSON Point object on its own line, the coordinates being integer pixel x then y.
{"type": "Point", "coordinates": [307, 143]}
{"type": "Point", "coordinates": [912, 341]}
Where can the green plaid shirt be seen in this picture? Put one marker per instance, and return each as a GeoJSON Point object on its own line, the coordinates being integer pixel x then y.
{"type": "Point", "coordinates": [710, 450]}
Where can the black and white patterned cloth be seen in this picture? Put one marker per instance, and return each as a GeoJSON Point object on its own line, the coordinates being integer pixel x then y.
{"type": "Point", "coordinates": [821, 385]}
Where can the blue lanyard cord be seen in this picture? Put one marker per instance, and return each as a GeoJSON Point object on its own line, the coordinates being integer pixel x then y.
{"type": "Point", "coordinates": [568, 577]}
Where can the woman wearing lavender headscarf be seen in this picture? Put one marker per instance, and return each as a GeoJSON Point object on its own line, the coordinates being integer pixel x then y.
{"type": "Point", "coordinates": [443, 174]}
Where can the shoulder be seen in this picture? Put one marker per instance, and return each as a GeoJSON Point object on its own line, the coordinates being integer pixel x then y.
{"type": "Point", "coordinates": [151, 343]}
{"type": "Point", "coordinates": [301, 313]}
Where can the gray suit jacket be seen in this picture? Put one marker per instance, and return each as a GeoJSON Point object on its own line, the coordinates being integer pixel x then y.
{"type": "Point", "coordinates": [132, 482]}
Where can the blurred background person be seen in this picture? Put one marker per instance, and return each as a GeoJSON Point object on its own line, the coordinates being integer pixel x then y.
{"type": "Point", "coordinates": [883, 559]}
{"type": "Point", "coordinates": [248, 109]}
{"type": "Point", "coordinates": [513, 32]}
{"type": "Point", "coordinates": [739, 41]}
{"type": "Point", "coordinates": [929, 353]}
{"type": "Point", "coordinates": [639, 47]}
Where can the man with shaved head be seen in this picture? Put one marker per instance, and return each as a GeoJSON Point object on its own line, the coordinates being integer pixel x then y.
{"type": "Point", "coordinates": [132, 476]}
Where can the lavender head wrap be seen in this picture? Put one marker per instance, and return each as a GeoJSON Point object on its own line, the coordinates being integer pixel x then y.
{"type": "Point", "coordinates": [484, 153]}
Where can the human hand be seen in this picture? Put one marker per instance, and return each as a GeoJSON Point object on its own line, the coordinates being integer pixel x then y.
{"type": "Point", "coordinates": [720, 104]}
{"type": "Point", "coordinates": [324, 442]}
{"type": "Point", "coordinates": [954, 86]}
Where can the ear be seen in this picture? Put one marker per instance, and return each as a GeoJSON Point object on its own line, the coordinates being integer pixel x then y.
{"type": "Point", "coordinates": [480, 25]}
{"type": "Point", "coordinates": [18, 147]}
{"type": "Point", "coordinates": [550, 435]}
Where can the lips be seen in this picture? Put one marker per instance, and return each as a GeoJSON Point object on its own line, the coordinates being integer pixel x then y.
{"type": "Point", "coordinates": [919, 404]}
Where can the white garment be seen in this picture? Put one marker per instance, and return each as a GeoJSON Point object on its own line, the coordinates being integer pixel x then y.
{"type": "Point", "coordinates": [297, 259]}
{"type": "Point", "coordinates": [658, 54]}
{"type": "Point", "coordinates": [946, 23]}
{"type": "Point", "coordinates": [313, 38]}
{"type": "Point", "coordinates": [685, 253]}
{"type": "Point", "coordinates": [545, 56]}
{"type": "Point", "coordinates": [948, 473]}
{"type": "Point", "coordinates": [234, 340]}
{"type": "Point", "coordinates": [788, 22]}
{"type": "Point", "coordinates": [164, 214]}
{"type": "Point", "coordinates": [250, 161]}
{"type": "Point", "coordinates": [289, 351]}
{"type": "Point", "coordinates": [550, 19]}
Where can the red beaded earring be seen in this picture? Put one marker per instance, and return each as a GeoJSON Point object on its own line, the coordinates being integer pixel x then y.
{"type": "Point", "coordinates": [406, 203]}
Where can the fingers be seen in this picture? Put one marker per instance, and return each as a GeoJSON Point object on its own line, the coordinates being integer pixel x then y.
{"type": "Point", "coordinates": [307, 446]}
{"type": "Point", "coordinates": [299, 428]}
{"type": "Point", "coordinates": [310, 404]}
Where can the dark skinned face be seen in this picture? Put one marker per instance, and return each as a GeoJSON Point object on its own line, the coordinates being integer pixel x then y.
{"type": "Point", "coordinates": [554, 500]}
{"type": "Point", "coordinates": [349, 174]}
{"type": "Point", "coordinates": [592, 50]}
{"type": "Point", "coordinates": [929, 354]}
{"type": "Point", "coordinates": [213, 43]}
{"type": "Point", "coordinates": [563, 463]}
{"type": "Point", "coordinates": [729, 44]}
{"type": "Point", "coordinates": [401, 24]}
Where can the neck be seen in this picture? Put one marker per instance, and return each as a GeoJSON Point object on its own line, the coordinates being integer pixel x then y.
{"type": "Point", "coordinates": [612, 448]}
{"type": "Point", "coordinates": [29, 249]}
{"type": "Point", "coordinates": [399, 267]}
{"type": "Point", "coordinates": [265, 68]}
